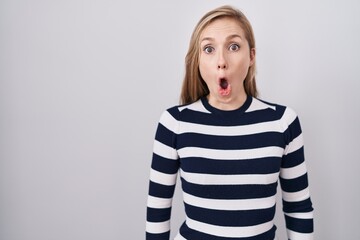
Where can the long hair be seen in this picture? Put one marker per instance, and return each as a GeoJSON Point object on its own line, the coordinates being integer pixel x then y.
{"type": "Point", "coordinates": [194, 87]}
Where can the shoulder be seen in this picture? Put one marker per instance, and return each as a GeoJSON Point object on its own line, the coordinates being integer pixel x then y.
{"type": "Point", "coordinates": [171, 116]}
{"type": "Point", "coordinates": [177, 110]}
{"type": "Point", "coordinates": [262, 105]}
{"type": "Point", "coordinates": [285, 114]}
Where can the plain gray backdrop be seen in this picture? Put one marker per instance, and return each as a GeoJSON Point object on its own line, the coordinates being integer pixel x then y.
{"type": "Point", "coordinates": [83, 84]}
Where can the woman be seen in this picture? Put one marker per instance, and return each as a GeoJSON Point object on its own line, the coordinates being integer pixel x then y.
{"type": "Point", "coordinates": [229, 147]}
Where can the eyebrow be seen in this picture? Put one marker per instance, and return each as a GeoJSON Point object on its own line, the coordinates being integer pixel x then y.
{"type": "Point", "coordinates": [227, 38]}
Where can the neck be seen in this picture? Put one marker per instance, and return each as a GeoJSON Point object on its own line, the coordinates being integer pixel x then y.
{"type": "Point", "coordinates": [227, 104]}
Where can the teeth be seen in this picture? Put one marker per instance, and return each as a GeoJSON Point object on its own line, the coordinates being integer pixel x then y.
{"type": "Point", "coordinates": [223, 83]}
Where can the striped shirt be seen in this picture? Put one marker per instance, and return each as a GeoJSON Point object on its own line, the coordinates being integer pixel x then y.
{"type": "Point", "coordinates": [229, 164]}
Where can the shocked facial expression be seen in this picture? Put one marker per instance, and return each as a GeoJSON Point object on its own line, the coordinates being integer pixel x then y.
{"type": "Point", "coordinates": [225, 58]}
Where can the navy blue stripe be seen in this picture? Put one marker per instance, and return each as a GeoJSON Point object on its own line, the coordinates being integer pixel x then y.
{"type": "Point", "coordinates": [231, 142]}
{"type": "Point", "coordinates": [293, 159]}
{"type": "Point", "coordinates": [160, 236]}
{"type": "Point", "coordinates": [191, 234]}
{"type": "Point", "coordinates": [191, 116]}
{"type": "Point", "coordinates": [211, 166]}
{"type": "Point", "coordinates": [159, 190]}
{"type": "Point", "coordinates": [174, 112]}
{"type": "Point", "coordinates": [158, 214]}
{"type": "Point", "coordinates": [300, 206]}
{"type": "Point", "coordinates": [165, 136]}
{"type": "Point", "coordinates": [230, 218]}
{"type": "Point", "coordinates": [293, 131]}
{"type": "Point", "coordinates": [165, 165]}
{"type": "Point", "coordinates": [294, 185]}
{"type": "Point", "coordinates": [229, 191]}
{"type": "Point", "coordinates": [299, 225]}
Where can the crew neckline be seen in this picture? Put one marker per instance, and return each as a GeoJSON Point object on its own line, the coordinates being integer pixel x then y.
{"type": "Point", "coordinates": [215, 110]}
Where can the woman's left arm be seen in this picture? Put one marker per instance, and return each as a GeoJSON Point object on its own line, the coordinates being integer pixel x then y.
{"type": "Point", "coordinates": [297, 205]}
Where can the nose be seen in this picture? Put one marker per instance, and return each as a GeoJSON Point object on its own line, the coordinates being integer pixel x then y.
{"type": "Point", "coordinates": [222, 64]}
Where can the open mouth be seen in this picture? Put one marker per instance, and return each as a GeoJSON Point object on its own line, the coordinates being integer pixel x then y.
{"type": "Point", "coordinates": [224, 83]}
{"type": "Point", "coordinates": [224, 87]}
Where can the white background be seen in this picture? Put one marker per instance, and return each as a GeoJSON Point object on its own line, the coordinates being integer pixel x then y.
{"type": "Point", "coordinates": [83, 83]}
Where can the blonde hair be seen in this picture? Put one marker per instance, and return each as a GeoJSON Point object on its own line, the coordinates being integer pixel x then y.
{"type": "Point", "coordinates": [194, 87]}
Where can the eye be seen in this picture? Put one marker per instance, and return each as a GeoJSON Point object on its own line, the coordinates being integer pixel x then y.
{"type": "Point", "coordinates": [234, 47]}
{"type": "Point", "coordinates": [208, 49]}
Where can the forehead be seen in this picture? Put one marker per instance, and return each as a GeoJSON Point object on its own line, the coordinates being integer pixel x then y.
{"type": "Point", "coordinates": [222, 27]}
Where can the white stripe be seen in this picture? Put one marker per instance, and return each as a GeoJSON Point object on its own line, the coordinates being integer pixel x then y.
{"type": "Point", "coordinates": [288, 117]}
{"type": "Point", "coordinates": [258, 105]}
{"type": "Point", "coordinates": [230, 232]}
{"type": "Point", "coordinates": [162, 178]}
{"type": "Point", "coordinates": [156, 202]}
{"type": "Point", "coordinates": [296, 196]}
{"type": "Point", "coordinates": [196, 106]}
{"type": "Point", "coordinates": [300, 236]}
{"type": "Point", "coordinates": [239, 179]}
{"type": "Point", "coordinates": [157, 227]}
{"type": "Point", "coordinates": [168, 121]}
{"type": "Point", "coordinates": [294, 145]}
{"type": "Point", "coordinates": [273, 126]}
{"type": "Point", "coordinates": [230, 204]}
{"type": "Point", "coordinates": [300, 215]}
{"type": "Point", "coordinates": [165, 151]}
{"type": "Point", "coordinates": [293, 172]}
{"type": "Point", "coordinates": [231, 154]}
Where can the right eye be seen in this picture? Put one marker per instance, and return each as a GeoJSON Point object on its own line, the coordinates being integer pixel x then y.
{"type": "Point", "coordinates": [208, 49]}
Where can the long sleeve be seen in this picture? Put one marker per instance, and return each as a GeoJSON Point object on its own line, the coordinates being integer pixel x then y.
{"type": "Point", "coordinates": [163, 174]}
{"type": "Point", "coordinates": [297, 205]}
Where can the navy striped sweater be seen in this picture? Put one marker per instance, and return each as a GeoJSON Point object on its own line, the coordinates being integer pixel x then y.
{"type": "Point", "coordinates": [229, 164]}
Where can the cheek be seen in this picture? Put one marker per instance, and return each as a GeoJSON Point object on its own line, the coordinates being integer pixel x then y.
{"type": "Point", "coordinates": [204, 74]}
{"type": "Point", "coordinates": [204, 68]}
{"type": "Point", "coordinates": [242, 65]}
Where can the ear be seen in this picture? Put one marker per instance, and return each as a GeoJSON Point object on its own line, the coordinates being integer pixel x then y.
{"type": "Point", "coordinates": [252, 56]}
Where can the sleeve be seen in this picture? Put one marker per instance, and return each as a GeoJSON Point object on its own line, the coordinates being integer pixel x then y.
{"type": "Point", "coordinates": [297, 205]}
{"type": "Point", "coordinates": [163, 175]}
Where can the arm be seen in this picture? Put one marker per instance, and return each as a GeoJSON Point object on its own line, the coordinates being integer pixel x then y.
{"type": "Point", "coordinates": [163, 174]}
{"type": "Point", "coordinates": [297, 205]}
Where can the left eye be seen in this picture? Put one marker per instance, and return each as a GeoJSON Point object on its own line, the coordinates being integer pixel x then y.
{"type": "Point", "coordinates": [234, 47]}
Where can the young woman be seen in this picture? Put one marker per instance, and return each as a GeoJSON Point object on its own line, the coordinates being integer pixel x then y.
{"type": "Point", "coordinates": [229, 147]}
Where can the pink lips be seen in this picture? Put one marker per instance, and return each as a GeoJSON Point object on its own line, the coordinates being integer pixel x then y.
{"type": "Point", "coordinates": [225, 87]}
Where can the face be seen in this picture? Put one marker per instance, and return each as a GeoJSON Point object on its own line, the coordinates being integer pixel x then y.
{"type": "Point", "coordinates": [225, 58]}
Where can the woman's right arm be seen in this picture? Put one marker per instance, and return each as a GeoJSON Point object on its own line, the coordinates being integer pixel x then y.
{"type": "Point", "coordinates": [163, 174]}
